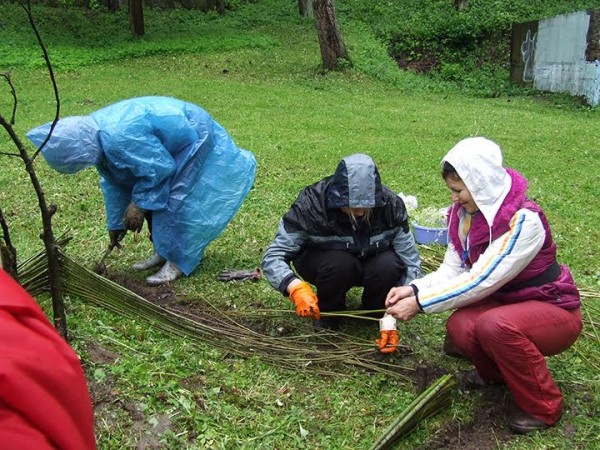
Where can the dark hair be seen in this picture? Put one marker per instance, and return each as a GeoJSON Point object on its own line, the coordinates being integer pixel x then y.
{"type": "Point", "coordinates": [448, 171]}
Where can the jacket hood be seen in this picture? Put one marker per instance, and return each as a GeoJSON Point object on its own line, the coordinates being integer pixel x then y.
{"type": "Point", "coordinates": [478, 162]}
{"type": "Point", "coordinates": [355, 184]}
{"type": "Point", "coordinates": [73, 146]}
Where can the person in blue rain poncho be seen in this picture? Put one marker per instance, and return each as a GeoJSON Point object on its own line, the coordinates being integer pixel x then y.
{"type": "Point", "coordinates": [161, 159]}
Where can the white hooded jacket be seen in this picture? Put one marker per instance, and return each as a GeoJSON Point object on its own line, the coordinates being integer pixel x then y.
{"type": "Point", "coordinates": [478, 162]}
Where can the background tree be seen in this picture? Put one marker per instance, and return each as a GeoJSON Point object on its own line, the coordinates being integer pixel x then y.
{"type": "Point", "coordinates": [459, 5]}
{"type": "Point", "coordinates": [305, 8]}
{"type": "Point", "coordinates": [136, 17]}
{"type": "Point", "coordinates": [330, 39]}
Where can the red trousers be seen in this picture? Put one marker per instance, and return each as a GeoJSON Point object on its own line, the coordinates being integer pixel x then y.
{"type": "Point", "coordinates": [508, 342]}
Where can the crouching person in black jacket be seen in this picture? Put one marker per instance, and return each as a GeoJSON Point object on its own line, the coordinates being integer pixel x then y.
{"type": "Point", "coordinates": [344, 231]}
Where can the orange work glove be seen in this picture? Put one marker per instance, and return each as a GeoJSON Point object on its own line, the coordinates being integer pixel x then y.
{"type": "Point", "coordinates": [307, 304]}
{"type": "Point", "coordinates": [388, 342]}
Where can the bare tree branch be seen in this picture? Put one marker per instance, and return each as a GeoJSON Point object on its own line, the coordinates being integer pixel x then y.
{"type": "Point", "coordinates": [8, 253]}
{"type": "Point", "coordinates": [6, 76]}
{"type": "Point", "coordinates": [27, 8]}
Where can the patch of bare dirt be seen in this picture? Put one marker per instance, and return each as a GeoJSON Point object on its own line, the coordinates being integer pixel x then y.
{"type": "Point", "coordinates": [161, 295]}
{"type": "Point", "coordinates": [424, 64]}
{"type": "Point", "coordinates": [487, 430]}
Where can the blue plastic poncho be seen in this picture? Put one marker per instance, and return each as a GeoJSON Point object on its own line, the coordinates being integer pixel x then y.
{"type": "Point", "coordinates": [166, 156]}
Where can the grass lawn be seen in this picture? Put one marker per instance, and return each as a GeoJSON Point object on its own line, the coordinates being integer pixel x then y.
{"type": "Point", "coordinates": [268, 92]}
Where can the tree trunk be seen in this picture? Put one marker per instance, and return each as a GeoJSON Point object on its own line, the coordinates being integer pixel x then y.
{"type": "Point", "coordinates": [220, 7]}
{"type": "Point", "coordinates": [330, 38]}
{"type": "Point", "coordinates": [136, 17]}
{"type": "Point", "coordinates": [305, 7]}
{"type": "Point", "coordinates": [112, 5]}
{"type": "Point", "coordinates": [459, 5]}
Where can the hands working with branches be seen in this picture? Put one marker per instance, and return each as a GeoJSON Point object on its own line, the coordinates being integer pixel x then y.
{"type": "Point", "coordinates": [401, 303]}
{"type": "Point", "coordinates": [305, 300]}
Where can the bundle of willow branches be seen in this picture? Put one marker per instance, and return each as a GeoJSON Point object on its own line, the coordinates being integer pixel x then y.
{"type": "Point", "coordinates": [324, 353]}
{"type": "Point", "coordinates": [434, 399]}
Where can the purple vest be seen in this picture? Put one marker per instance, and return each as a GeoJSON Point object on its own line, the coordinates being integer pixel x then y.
{"type": "Point", "coordinates": [562, 292]}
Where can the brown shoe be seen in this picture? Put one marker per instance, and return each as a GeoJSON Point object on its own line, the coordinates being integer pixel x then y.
{"type": "Point", "coordinates": [522, 423]}
{"type": "Point", "coordinates": [452, 350]}
{"type": "Point", "coordinates": [473, 380]}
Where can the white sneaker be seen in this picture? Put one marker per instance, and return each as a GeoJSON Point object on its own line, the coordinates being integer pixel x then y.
{"type": "Point", "coordinates": [169, 272]}
{"type": "Point", "coordinates": [153, 261]}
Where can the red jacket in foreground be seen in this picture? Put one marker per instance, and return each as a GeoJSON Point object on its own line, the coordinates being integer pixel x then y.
{"type": "Point", "coordinates": [44, 399]}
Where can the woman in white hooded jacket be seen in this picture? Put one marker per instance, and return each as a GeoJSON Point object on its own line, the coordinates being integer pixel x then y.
{"type": "Point", "coordinates": [514, 303]}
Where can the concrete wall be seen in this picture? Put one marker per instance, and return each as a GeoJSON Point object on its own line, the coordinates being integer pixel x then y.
{"type": "Point", "coordinates": [560, 54]}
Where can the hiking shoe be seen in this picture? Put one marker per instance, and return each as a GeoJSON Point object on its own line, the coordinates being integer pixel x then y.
{"type": "Point", "coordinates": [169, 272]}
{"type": "Point", "coordinates": [148, 263]}
{"type": "Point", "coordinates": [473, 380]}
{"type": "Point", "coordinates": [522, 423]}
{"type": "Point", "coordinates": [452, 350]}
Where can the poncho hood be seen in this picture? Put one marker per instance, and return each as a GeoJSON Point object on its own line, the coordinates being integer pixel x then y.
{"type": "Point", "coordinates": [355, 184]}
{"type": "Point", "coordinates": [478, 162]}
{"type": "Point", "coordinates": [73, 146]}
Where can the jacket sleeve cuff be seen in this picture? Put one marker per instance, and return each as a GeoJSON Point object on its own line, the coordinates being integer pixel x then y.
{"type": "Point", "coordinates": [416, 293]}
{"type": "Point", "coordinates": [284, 283]}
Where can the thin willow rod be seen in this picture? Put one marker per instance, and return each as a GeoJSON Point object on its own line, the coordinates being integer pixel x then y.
{"type": "Point", "coordinates": [330, 355]}
{"type": "Point", "coordinates": [92, 293]}
{"type": "Point", "coordinates": [277, 347]}
{"type": "Point", "coordinates": [286, 312]}
{"type": "Point", "coordinates": [590, 321]}
{"type": "Point", "coordinates": [586, 359]}
{"type": "Point", "coordinates": [589, 294]}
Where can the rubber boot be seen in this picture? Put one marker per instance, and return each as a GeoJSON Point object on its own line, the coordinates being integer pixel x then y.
{"type": "Point", "coordinates": [153, 261]}
{"type": "Point", "coordinates": [168, 272]}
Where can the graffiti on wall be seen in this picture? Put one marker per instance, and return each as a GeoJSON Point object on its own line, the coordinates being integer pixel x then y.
{"type": "Point", "coordinates": [522, 52]}
{"type": "Point", "coordinates": [559, 54]}
{"type": "Point", "coordinates": [528, 54]}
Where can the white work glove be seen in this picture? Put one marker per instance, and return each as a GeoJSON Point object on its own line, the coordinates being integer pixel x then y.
{"type": "Point", "coordinates": [389, 339]}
